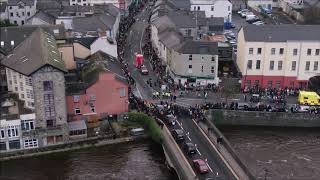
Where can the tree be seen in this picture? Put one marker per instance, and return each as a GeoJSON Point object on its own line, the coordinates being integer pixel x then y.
{"type": "Point", "coordinates": [6, 23]}
{"type": "Point", "coordinates": [229, 91]}
{"type": "Point", "coordinates": [312, 15]}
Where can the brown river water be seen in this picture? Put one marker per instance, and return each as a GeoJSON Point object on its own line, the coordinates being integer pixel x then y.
{"type": "Point", "coordinates": [278, 153]}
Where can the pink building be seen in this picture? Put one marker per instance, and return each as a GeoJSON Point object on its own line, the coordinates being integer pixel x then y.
{"type": "Point", "coordinates": [102, 92]}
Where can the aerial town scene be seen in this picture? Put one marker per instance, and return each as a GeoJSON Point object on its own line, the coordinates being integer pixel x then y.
{"type": "Point", "coordinates": [159, 89]}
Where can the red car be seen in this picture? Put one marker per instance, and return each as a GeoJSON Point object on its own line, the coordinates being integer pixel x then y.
{"type": "Point", "coordinates": [201, 166]}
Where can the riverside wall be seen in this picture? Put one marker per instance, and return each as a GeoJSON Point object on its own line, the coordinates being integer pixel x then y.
{"type": "Point", "coordinates": [261, 118]}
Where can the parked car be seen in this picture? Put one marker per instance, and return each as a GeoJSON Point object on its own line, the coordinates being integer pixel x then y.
{"type": "Point", "coordinates": [178, 135]}
{"type": "Point", "coordinates": [244, 14]}
{"type": "Point", "coordinates": [189, 148]}
{"type": "Point", "coordinates": [250, 17]}
{"type": "Point", "coordinates": [242, 10]}
{"type": "Point", "coordinates": [243, 106]}
{"type": "Point", "coordinates": [251, 21]}
{"type": "Point", "coordinates": [144, 70]}
{"type": "Point", "coordinates": [201, 166]}
{"type": "Point", "coordinates": [258, 23]}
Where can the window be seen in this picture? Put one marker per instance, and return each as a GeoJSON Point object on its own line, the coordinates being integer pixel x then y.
{"type": "Point", "coordinates": [28, 93]}
{"type": "Point", "coordinates": [281, 51]}
{"type": "Point", "coordinates": [307, 66]}
{"type": "Point", "coordinates": [295, 52]}
{"type": "Point", "coordinates": [22, 96]}
{"type": "Point", "coordinates": [190, 57]}
{"type": "Point", "coordinates": [249, 64]}
{"type": "Point", "coordinates": [278, 84]}
{"type": "Point", "coordinates": [51, 123]}
{"type": "Point", "coordinates": [22, 22]}
{"type": "Point", "coordinates": [11, 14]}
{"type": "Point", "coordinates": [273, 50]}
{"type": "Point", "coordinates": [92, 97]}
{"type": "Point", "coordinates": [256, 82]}
{"type": "Point", "coordinates": [309, 51]}
{"type": "Point", "coordinates": [248, 83]}
{"type": "Point", "coordinates": [49, 111]}
{"type": "Point", "coordinates": [212, 8]}
{"type": "Point", "coordinates": [48, 99]}
{"type": "Point", "coordinates": [12, 131]}
{"type": "Point", "coordinates": [250, 50]}
{"type": "Point", "coordinates": [22, 13]}
{"type": "Point", "coordinates": [259, 51]}
{"type": "Point", "coordinates": [229, 8]}
{"type": "Point", "coordinates": [77, 111]}
{"type": "Point", "coordinates": [317, 52]}
{"type": "Point", "coordinates": [28, 81]}
{"type": "Point", "coordinates": [3, 146]}
{"type": "Point", "coordinates": [190, 66]}
{"type": "Point", "coordinates": [258, 64]}
{"type": "Point", "coordinates": [27, 125]}
{"type": "Point", "coordinates": [15, 22]}
{"type": "Point", "coordinates": [30, 143]}
{"type": "Point", "coordinates": [212, 69]}
{"type": "Point", "coordinates": [198, 8]}
{"type": "Point", "coordinates": [279, 65]}
{"type": "Point", "coordinates": [77, 132]}
{"type": "Point", "coordinates": [122, 92]}
{"type": "Point", "coordinates": [213, 58]}
{"type": "Point", "coordinates": [76, 98]}
{"type": "Point", "coordinates": [2, 134]}
{"type": "Point", "coordinates": [269, 84]}
{"type": "Point", "coordinates": [315, 65]}
{"type": "Point", "coordinates": [16, 88]}
{"type": "Point", "coordinates": [92, 109]}
{"type": "Point", "coordinates": [293, 65]}
{"type": "Point", "coordinates": [271, 67]}
{"type": "Point", "coordinates": [21, 86]}
{"type": "Point", "coordinates": [20, 76]}
{"type": "Point", "coordinates": [10, 82]}
{"type": "Point", "coordinates": [15, 144]}
{"type": "Point", "coordinates": [47, 85]}
{"type": "Point", "coordinates": [28, 13]}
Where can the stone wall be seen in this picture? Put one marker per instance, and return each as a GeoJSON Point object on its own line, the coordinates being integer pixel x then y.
{"type": "Point", "coordinates": [257, 118]}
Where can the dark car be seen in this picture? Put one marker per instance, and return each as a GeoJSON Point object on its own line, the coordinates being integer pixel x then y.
{"type": "Point", "coordinates": [253, 20]}
{"type": "Point", "coordinates": [178, 135]}
{"type": "Point", "coordinates": [189, 148]}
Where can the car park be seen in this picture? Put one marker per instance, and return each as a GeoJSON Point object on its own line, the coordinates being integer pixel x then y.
{"type": "Point", "coordinates": [201, 166]}
{"type": "Point", "coordinates": [178, 135]}
{"type": "Point", "coordinates": [189, 148]}
{"type": "Point", "coordinates": [144, 70]}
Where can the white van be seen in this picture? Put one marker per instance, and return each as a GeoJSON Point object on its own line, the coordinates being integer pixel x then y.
{"type": "Point", "coordinates": [250, 17]}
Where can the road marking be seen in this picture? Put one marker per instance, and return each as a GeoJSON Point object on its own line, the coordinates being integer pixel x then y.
{"type": "Point", "coordinates": [198, 151]}
{"type": "Point", "coordinates": [141, 41]}
{"type": "Point", "coordinates": [209, 166]}
{"type": "Point", "coordinates": [189, 138]}
{"type": "Point", "coordinates": [215, 148]}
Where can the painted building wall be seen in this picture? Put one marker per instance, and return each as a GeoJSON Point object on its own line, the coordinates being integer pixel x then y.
{"type": "Point", "coordinates": [107, 98]}
{"type": "Point", "coordinates": [10, 132]}
{"type": "Point", "coordinates": [219, 8]}
{"type": "Point", "coordinates": [67, 54]}
{"type": "Point", "coordinates": [19, 14]}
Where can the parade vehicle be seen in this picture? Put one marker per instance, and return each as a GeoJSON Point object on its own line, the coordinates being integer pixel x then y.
{"type": "Point", "coordinates": [200, 166]}
{"type": "Point", "coordinates": [171, 119]}
{"type": "Point", "coordinates": [144, 70]}
{"type": "Point", "coordinates": [308, 98]}
{"type": "Point", "coordinates": [138, 60]}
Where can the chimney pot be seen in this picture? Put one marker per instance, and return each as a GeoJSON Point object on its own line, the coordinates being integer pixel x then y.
{"type": "Point", "coordinates": [12, 43]}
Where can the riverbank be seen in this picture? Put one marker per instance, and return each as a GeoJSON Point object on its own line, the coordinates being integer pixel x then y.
{"type": "Point", "coordinates": [71, 146]}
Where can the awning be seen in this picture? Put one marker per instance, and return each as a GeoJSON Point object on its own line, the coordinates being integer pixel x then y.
{"type": "Point", "coordinates": [77, 125]}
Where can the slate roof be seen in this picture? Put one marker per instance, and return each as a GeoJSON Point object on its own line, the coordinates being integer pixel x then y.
{"type": "Point", "coordinates": [170, 38]}
{"type": "Point", "coordinates": [182, 20]}
{"type": "Point", "coordinates": [38, 50]}
{"type": "Point", "coordinates": [85, 41]}
{"type": "Point", "coordinates": [44, 17]}
{"type": "Point", "coordinates": [282, 33]}
{"type": "Point", "coordinates": [44, 5]}
{"type": "Point", "coordinates": [19, 33]}
{"type": "Point", "coordinates": [93, 23]}
{"type": "Point", "coordinates": [26, 2]}
{"type": "Point", "coordinates": [197, 47]}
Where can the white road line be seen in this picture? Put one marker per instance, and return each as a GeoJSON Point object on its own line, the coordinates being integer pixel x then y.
{"type": "Point", "coordinates": [209, 167]}
{"type": "Point", "coordinates": [141, 41]}
{"type": "Point", "coordinates": [198, 151]}
{"type": "Point", "coordinates": [189, 138]}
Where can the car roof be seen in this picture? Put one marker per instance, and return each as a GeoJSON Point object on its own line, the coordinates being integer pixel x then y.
{"type": "Point", "coordinates": [179, 131]}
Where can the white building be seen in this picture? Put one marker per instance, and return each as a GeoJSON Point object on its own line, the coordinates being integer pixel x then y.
{"type": "Point", "coordinates": [20, 10]}
{"type": "Point", "coordinates": [10, 134]}
{"type": "Point", "coordinates": [213, 8]}
{"type": "Point", "coordinates": [278, 56]}
{"type": "Point", "coordinates": [104, 44]}
{"type": "Point", "coordinates": [295, 2]}
{"type": "Point", "coordinates": [121, 4]}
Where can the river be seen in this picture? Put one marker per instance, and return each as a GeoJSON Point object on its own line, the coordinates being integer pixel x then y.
{"type": "Point", "coordinates": [133, 161]}
{"type": "Point", "coordinates": [277, 153]}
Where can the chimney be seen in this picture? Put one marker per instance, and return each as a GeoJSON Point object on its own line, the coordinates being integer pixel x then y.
{"type": "Point", "coordinates": [2, 44]}
{"type": "Point", "coordinates": [12, 43]}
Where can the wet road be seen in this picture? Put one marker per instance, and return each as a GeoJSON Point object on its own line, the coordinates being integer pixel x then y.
{"type": "Point", "coordinates": [134, 161]}
{"type": "Point", "coordinates": [284, 153]}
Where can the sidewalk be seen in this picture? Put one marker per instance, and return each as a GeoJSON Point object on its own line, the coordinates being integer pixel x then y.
{"type": "Point", "coordinates": [224, 152]}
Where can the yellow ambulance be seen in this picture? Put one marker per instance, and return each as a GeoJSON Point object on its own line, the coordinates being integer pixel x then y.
{"type": "Point", "coordinates": [308, 98]}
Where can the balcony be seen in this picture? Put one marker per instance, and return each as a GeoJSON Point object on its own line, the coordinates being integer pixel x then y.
{"type": "Point", "coordinates": [50, 131]}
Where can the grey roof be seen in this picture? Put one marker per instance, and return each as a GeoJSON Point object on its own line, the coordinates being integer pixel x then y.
{"type": "Point", "coordinates": [77, 125]}
{"type": "Point", "coordinates": [170, 38]}
{"type": "Point", "coordinates": [44, 17]}
{"type": "Point", "coordinates": [108, 8]}
{"type": "Point", "coordinates": [36, 51]}
{"type": "Point", "coordinates": [214, 21]}
{"type": "Point", "coordinates": [182, 19]}
{"type": "Point", "coordinates": [100, 22]}
{"type": "Point", "coordinates": [163, 23]}
{"type": "Point", "coordinates": [282, 33]}
{"type": "Point", "coordinates": [3, 6]}
{"type": "Point", "coordinates": [16, 2]}
{"type": "Point", "coordinates": [85, 41]}
{"type": "Point", "coordinates": [44, 5]}
{"type": "Point", "coordinates": [197, 47]}
{"type": "Point", "coordinates": [20, 33]}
